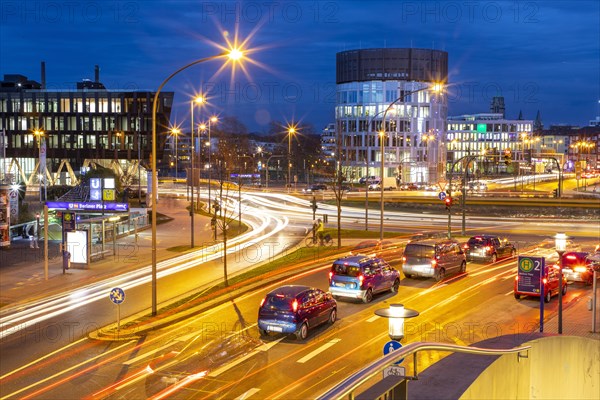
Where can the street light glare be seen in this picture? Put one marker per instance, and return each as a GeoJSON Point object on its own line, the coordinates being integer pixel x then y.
{"type": "Point", "coordinates": [199, 100]}
{"type": "Point", "coordinates": [213, 119]}
{"type": "Point", "coordinates": [235, 54]}
{"type": "Point", "coordinates": [437, 87]}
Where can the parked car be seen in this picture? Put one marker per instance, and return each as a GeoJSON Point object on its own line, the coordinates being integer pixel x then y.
{"type": "Point", "coordinates": [488, 248]}
{"type": "Point", "coordinates": [550, 282]}
{"type": "Point", "coordinates": [433, 258]}
{"type": "Point", "coordinates": [314, 188]}
{"type": "Point", "coordinates": [294, 309]}
{"type": "Point", "coordinates": [369, 179]}
{"type": "Point", "coordinates": [360, 277]}
{"type": "Point", "coordinates": [578, 266]}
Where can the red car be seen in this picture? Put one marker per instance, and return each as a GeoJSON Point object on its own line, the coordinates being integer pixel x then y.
{"type": "Point", "coordinates": [577, 266]}
{"type": "Point", "coordinates": [550, 285]}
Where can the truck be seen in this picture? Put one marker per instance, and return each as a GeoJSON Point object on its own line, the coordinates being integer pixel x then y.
{"type": "Point", "coordinates": [389, 183]}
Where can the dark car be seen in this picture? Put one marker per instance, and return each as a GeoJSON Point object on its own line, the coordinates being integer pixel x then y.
{"type": "Point", "coordinates": [578, 266]}
{"type": "Point", "coordinates": [314, 188]}
{"type": "Point", "coordinates": [295, 309]}
{"type": "Point", "coordinates": [360, 277]}
{"type": "Point", "coordinates": [433, 258]}
{"type": "Point", "coordinates": [488, 248]}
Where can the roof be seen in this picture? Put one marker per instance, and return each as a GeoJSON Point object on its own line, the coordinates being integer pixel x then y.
{"type": "Point", "coordinates": [289, 290]}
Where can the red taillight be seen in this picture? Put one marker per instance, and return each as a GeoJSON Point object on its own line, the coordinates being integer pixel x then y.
{"type": "Point", "coordinates": [295, 305]}
{"type": "Point", "coordinates": [262, 301]}
{"type": "Point", "coordinates": [545, 281]}
{"type": "Point", "coordinates": [571, 257]}
{"type": "Point", "coordinates": [361, 279]}
{"type": "Point", "coordinates": [330, 275]}
{"type": "Point", "coordinates": [487, 248]}
{"type": "Point", "coordinates": [403, 259]}
{"type": "Point", "coordinates": [433, 262]}
{"type": "Point", "coordinates": [465, 246]}
{"type": "Point", "coordinates": [517, 278]}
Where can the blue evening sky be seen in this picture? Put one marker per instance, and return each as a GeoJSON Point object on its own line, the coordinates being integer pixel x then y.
{"type": "Point", "coordinates": [540, 55]}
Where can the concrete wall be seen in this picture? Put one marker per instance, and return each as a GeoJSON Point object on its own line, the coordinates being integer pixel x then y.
{"type": "Point", "coordinates": [557, 367]}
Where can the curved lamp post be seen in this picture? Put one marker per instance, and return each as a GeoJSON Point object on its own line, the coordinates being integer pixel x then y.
{"type": "Point", "coordinates": [291, 131]}
{"type": "Point", "coordinates": [196, 100]}
{"type": "Point", "coordinates": [234, 55]}
{"type": "Point", "coordinates": [436, 88]}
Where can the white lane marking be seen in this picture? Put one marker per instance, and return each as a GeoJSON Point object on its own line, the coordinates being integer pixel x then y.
{"type": "Point", "coordinates": [247, 394]}
{"type": "Point", "coordinates": [373, 318]}
{"type": "Point", "coordinates": [509, 293]}
{"type": "Point", "coordinates": [319, 350]}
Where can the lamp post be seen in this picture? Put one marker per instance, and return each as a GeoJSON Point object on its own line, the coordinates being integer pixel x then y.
{"type": "Point", "coordinates": [560, 243]}
{"type": "Point", "coordinates": [234, 55]}
{"type": "Point", "coordinates": [175, 132]}
{"type": "Point", "coordinates": [206, 127]}
{"type": "Point", "coordinates": [291, 131]}
{"type": "Point", "coordinates": [42, 160]}
{"type": "Point", "coordinates": [396, 314]}
{"type": "Point", "coordinates": [436, 88]}
{"type": "Point", "coordinates": [196, 100]}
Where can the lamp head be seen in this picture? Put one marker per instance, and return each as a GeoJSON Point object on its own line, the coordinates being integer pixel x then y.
{"type": "Point", "coordinates": [235, 54]}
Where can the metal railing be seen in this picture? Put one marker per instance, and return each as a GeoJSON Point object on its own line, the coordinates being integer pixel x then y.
{"type": "Point", "coordinates": [347, 387]}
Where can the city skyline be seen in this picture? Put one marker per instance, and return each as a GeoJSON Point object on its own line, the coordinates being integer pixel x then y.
{"type": "Point", "coordinates": [539, 56]}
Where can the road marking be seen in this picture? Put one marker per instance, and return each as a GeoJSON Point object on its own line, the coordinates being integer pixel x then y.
{"type": "Point", "coordinates": [227, 367]}
{"type": "Point", "coordinates": [247, 394]}
{"type": "Point", "coordinates": [319, 350]}
{"type": "Point", "coordinates": [146, 355]}
{"type": "Point", "coordinates": [509, 293]}
{"type": "Point", "coordinates": [373, 318]}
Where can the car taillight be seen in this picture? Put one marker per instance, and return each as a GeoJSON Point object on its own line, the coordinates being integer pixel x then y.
{"type": "Point", "coordinates": [361, 279]}
{"type": "Point", "coordinates": [545, 281]}
{"type": "Point", "coordinates": [330, 276]}
{"type": "Point", "coordinates": [262, 301]}
{"type": "Point", "coordinates": [516, 278]}
{"type": "Point", "coordinates": [487, 248]}
{"type": "Point", "coordinates": [580, 269]}
{"type": "Point", "coordinates": [465, 246]}
{"type": "Point", "coordinates": [295, 305]}
{"type": "Point", "coordinates": [571, 257]}
{"type": "Point", "coordinates": [433, 262]}
{"type": "Point", "coordinates": [403, 259]}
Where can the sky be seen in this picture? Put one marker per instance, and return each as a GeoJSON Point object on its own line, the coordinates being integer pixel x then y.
{"type": "Point", "coordinates": [539, 55]}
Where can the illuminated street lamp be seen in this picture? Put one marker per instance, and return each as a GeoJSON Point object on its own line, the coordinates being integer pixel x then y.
{"type": "Point", "coordinates": [560, 244]}
{"type": "Point", "coordinates": [291, 131]}
{"type": "Point", "coordinates": [435, 88]}
{"type": "Point", "coordinates": [396, 315]}
{"type": "Point", "coordinates": [196, 100]}
{"type": "Point", "coordinates": [175, 132]}
{"type": "Point", "coordinates": [206, 127]}
{"type": "Point", "coordinates": [233, 55]}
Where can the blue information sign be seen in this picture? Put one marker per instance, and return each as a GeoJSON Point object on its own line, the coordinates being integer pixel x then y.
{"type": "Point", "coordinates": [391, 346]}
{"type": "Point", "coordinates": [530, 272]}
{"type": "Point", "coordinates": [442, 195]}
{"type": "Point", "coordinates": [117, 295]}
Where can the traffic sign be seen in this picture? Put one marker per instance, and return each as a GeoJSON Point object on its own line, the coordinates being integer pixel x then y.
{"type": "Point", "coordinates": [391, 346]}
{"type": "Point", "coordinates": [394, 370]}
{"type": "Point", "coordinates": [530, 272]}
{"type": "Point", "coordinates": [442, 195]}
{"type": "Point", "coordinates": [117, 295]}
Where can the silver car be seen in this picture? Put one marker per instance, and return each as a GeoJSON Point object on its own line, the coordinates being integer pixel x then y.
{"type": "Point", "coordinates": [433, 258]}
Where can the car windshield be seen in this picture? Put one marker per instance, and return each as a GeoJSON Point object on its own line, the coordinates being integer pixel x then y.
{"type": "Point", "coordinates": [346, 270]}
{"type": "Point", "coordinates": [278, 302]}
{"type": "Point", "coordinates": [419, 250]}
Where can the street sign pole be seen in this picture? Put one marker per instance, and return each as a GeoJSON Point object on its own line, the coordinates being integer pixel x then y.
{"type": "Point", "coordinates": [543, 273]}
{"type": "Point", "coordinates": [117, 296]}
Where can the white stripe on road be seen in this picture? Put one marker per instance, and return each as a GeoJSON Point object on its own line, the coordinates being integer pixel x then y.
{"type": "Point", "coordinates": [247, 394]}
{"type": "Point", "coordinates": [373, 318]}
{"type": "Point", "coordinates": [319, 350]}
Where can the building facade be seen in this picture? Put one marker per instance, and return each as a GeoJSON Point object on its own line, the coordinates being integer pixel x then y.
{"type": "Point", "coordinates": [76, 126]}
{"type": "Point", "coordinates": [368, 82]}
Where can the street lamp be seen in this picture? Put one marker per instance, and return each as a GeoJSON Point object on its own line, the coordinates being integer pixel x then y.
{"type": "Point", "coordinates": [436, 88]}
{"type": "Point", "coordinates": [233, 55]}
{"type": "Point", "coordinates": [291, 131]}
{"type": "Point", "coordinates": [175, 132]}
{"type": "Point", "coordinates": [196, 100]}
{"type": "Point", "coordinates": [206, 127]}
{"type": "Point", "coordinates": [396, 314]}
{"type": "Point", "coordinates": [42, 160]}
{"type": "Point", "coordinates": [560, 243]}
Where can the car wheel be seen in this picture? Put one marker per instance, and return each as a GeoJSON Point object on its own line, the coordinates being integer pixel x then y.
{"type": "Point", "coordinates": [263, 332]}
{"type": "Point", "coordinates": [408, 276]}
{"type": "Point", "coordinates": [564, 289]}
{"type": "Point", "coordinates": [302, 332]}
{"type": "Point", "coordinates": [440, 275]}
{"type": "Point", "coordinates": [395, 286]}
{"type": "Point", "coordinates": [463, 267]}
{"type": "Point", "coordinates": [332, 316]}
{"type": "Point", "coordinates": [368, 296]}
{"type": "Point", "coordinates": [517, 296]}
{"type": "Point", "coordinates": [548, 297]}
{"type": "Point", "coordinates": [494, 258]}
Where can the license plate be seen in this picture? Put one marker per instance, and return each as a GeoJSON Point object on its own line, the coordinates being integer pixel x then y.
{"type": "Point", "coordinates": [340, 284]}
{"type": "Point", "coordinates": [274, 328]}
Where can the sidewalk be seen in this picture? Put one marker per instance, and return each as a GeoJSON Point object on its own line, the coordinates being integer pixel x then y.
{"type": "Point", "coordinates": [22, 267]}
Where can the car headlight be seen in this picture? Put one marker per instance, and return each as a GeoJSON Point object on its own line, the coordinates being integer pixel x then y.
{"type": "Point", "coordinates": [580, 269]}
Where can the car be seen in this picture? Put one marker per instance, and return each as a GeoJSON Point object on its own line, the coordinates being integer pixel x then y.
{"type": "Point", "coordinates": [294, 309]}
{"type": "Point", "coordinates": [187, 363]}
{"type": "Point", "coordinates": [314, 188]}
{"type": "Point", "coordinates": [361, 277]}
{"type": "Point", "coordinates": [578, 266]}
{"type": "Point", "coordinates": [488, 248]}
{"type": "Point", "coordinates": [550, 281]}
{"type": "Point", "coordinates": [369, 179]}
{"type": "Point", "coordinates": [409, 186]}
{"type": "Point", "coordinates": [433, 258]}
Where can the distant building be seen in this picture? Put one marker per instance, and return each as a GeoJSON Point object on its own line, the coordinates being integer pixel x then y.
{"type": "Point", "coordinates": [329, 142]}
{"type": "Point", "coordinates": [90, 123]}
{"type": "Point", "coordinates": [578, 145]}
{"type": "Point", "coordinates": [368, 81]}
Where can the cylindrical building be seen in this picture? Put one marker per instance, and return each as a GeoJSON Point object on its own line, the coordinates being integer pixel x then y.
{"type": "Point", "coordinates": [368, 81]}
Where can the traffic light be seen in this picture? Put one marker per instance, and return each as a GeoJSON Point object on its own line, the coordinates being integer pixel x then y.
{"type": "Point", "coordinates": [507, 157]}
{"type": "Point", "coordinates": [448, 202]}
{"type": "Point", "coordinates": [216, 206]}
{"type": "Point", "coordinates": [555, 193]}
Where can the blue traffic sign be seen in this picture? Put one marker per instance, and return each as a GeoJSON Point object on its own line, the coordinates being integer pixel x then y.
{"type": "Point", "coordinates": [117, 295]}
{"type": "Point", "coordinates": [391, 346]}
{"type": "Point", "coordinates": [442, 195]}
